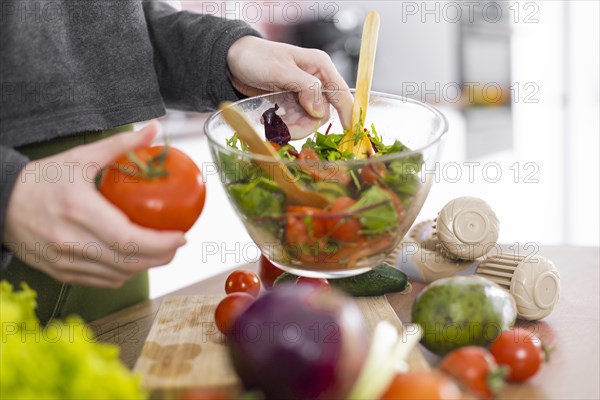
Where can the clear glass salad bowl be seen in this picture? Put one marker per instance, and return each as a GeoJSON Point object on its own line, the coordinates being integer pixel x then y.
{"type": "Point", "coordinates": [371, 202]}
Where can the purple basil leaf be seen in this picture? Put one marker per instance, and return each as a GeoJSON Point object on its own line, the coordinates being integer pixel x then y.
{"type": "Point", "coordinates": [275, 129]}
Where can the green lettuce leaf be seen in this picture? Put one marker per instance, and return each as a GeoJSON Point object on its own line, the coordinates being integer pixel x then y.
{"type": "Point", "coordinates": [382, 218]}
{"type": "Point", "coordinates": [326, 146]}
{"type": "Point", "coordinates": [59, 361]}
{"type": "Point", "coordinates": [403, 178]}
{"type": "Point", "coordinates": [259, 198]}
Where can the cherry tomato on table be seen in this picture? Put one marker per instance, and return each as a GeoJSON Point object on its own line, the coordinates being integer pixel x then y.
{"type": "Point", "coordinates": [157, 187]}
{"type": "Point", "coordinates": [475, 368]}
{"type": "Point", "coordinates": [206, 394]}
{"type": "Point", "coordinates": [230, 308]}
{"type": "Point", "coordinates": [521, 351]}
{"type": "Point", "coordinates": [428, 385]}
{"type": "Point", "coordinates": [267, 272]}
{"type": "Point", "coordinates": [242, 280]}
{"type": "Point", "coordinates": [320, 283]}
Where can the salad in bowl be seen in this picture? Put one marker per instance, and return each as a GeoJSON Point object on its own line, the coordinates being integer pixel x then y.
{"type": "Point", "coordinates": [373, 179]}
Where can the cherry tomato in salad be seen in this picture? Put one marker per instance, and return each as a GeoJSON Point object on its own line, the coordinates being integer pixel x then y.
{"type": "Point", "coordinates": [230, 308]}
{"type": "Point", "coordinates": [306, 227]}
{"type": "Point", "coordinates": [267, 272]}
{"type": "Point", "coordinates": [161, 188]}
{"type": "Point", "coordinates": [521, 351]}
{"type": "Point", "coordinates": [275, 146]}
{"type": "Point", "coordinates": [428, 385]}
{"type": "Point", "coordinates": [373, 172]}
{"type": "Point", "coordinates": [310, 162]}
{"type": "Point", "coordinates": [308, 154]}
{"type": "Point", "coordinates": [320, 283]}
{"type": "Point", "coordinates": [476, 369]}
{"type": "Point", "coordinates": [242, 280]}
{"type": "Point", "coordinates": [344, 228]}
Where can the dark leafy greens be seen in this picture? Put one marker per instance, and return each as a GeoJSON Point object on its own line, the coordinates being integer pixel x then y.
{"type": "Point", "coordinates": [276, 130]}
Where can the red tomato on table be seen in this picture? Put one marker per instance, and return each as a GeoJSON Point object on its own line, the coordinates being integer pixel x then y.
{"type": "Point", "coordinates": [425, 385]}
{"type": "Point", "coordinates": [521, 351]}
{"type": "Point", "coordinates": [242, 280]}
{"type": "Point", "coordinates": [230, 308]}
{"type": "Point", "coordinates": [319, 283]}
{"type": "Point", "coordinates": [475, 368]}
{"type": "Point", "coordinates": [267, 272]}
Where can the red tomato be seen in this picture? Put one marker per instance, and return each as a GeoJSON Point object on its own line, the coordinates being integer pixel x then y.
{"type": "Point", "coordinates": [320, 283]}
{"type": "Point", "coordinates": [230, 308]}
{"type": "Point", "coordinates": [475, 368]}
{"type": "Point", "coordinates": [422, 385]}
{"type": "Point", "coordinates": [165, 194]}
{"type": "Point", "coordinates": [308, 154]}
{"type": "Point", "coordinates": [206, 394]}
{"type": "Point", "coordinates": [322, 171]}
{"type": "Point", "coordinates": [305, 227]}
{"type": "Point", "coordinates": [373, 172]}
{"type": "Point", "coordinates": [347, 228]}
{"type": "Point", "coordinates": [521, 351]}
{"type": "Point", "coordinates": [242, 280]}
{"type": "Point", "coordinates": [274, 145]}
{"type": "Point", "coordinates": [267, 272]}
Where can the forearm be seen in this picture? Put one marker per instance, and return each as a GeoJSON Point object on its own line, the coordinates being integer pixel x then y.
{"type": "Point", "coordinates": [11, 163]}
{"type": "Point", "coordinates": [190, 55]}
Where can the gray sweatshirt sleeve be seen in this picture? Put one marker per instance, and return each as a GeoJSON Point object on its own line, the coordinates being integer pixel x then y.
{"type": "Point", "coordinates": [190, 55]}
{"type": "Point", "coordinates": [11, 163]}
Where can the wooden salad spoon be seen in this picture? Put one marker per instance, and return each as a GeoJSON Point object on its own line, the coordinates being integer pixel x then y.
{"type": "Point", "coordinates": [366, 65]}
{"type": "Point", "coordinates": [275, 168]}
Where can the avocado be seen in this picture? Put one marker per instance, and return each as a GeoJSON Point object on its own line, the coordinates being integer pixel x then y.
{"type": "Point", "coordinates": [462, 311]}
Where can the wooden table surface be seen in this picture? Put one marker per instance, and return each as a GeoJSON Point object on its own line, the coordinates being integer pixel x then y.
{"type": "Point", "coordinates": [572, 329]}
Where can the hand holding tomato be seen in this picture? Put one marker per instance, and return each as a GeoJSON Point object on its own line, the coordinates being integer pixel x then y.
{"type": "Point", "coordinates": [71, 213]}
{"type": "Point", "coordinates": [157, 187]}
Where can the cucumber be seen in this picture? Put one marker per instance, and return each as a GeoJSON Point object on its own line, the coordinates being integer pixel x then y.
{"type": "Point", "coordinates": [380, 280]}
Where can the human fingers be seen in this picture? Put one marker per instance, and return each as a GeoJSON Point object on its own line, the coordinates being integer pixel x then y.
{"type": "Point", "coordinates": [81, 273]}
{"type": "Point", "coordinates": [337, 90]}
{"type": "Point", "coordinates": [107, 150]}
{"type": "Point", "coordinates": [124, 257]}
{"type": "Point", "coordinates": [318, 64]}
{"type": "Point", "coordinates": [121, 234]}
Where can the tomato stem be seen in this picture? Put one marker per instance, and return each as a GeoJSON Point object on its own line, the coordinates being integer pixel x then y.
{"type": "Point", "coordinates": [496, 379]}
{"type": "Point", "coordinates": [151, 169]}
{"type": "Point", "coordinates": [547, 352]}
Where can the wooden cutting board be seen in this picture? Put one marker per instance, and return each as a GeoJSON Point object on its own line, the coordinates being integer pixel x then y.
{"type": "Point", "coordinates": [185, 349]}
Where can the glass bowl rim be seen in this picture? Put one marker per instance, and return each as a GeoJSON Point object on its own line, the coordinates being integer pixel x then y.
{"type": "Point", "coordinates": [439, 134]}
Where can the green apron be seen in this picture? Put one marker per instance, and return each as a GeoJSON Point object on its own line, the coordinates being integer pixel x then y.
{"type": "Point", "coordinates": [56, 299]}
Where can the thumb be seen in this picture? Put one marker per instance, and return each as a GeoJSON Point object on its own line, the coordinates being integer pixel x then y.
{"type": "Point", "coordinates": [107, 150]}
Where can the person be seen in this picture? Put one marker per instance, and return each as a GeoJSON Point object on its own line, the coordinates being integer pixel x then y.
{"type": "Point", "coordinates": [75, 75]}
